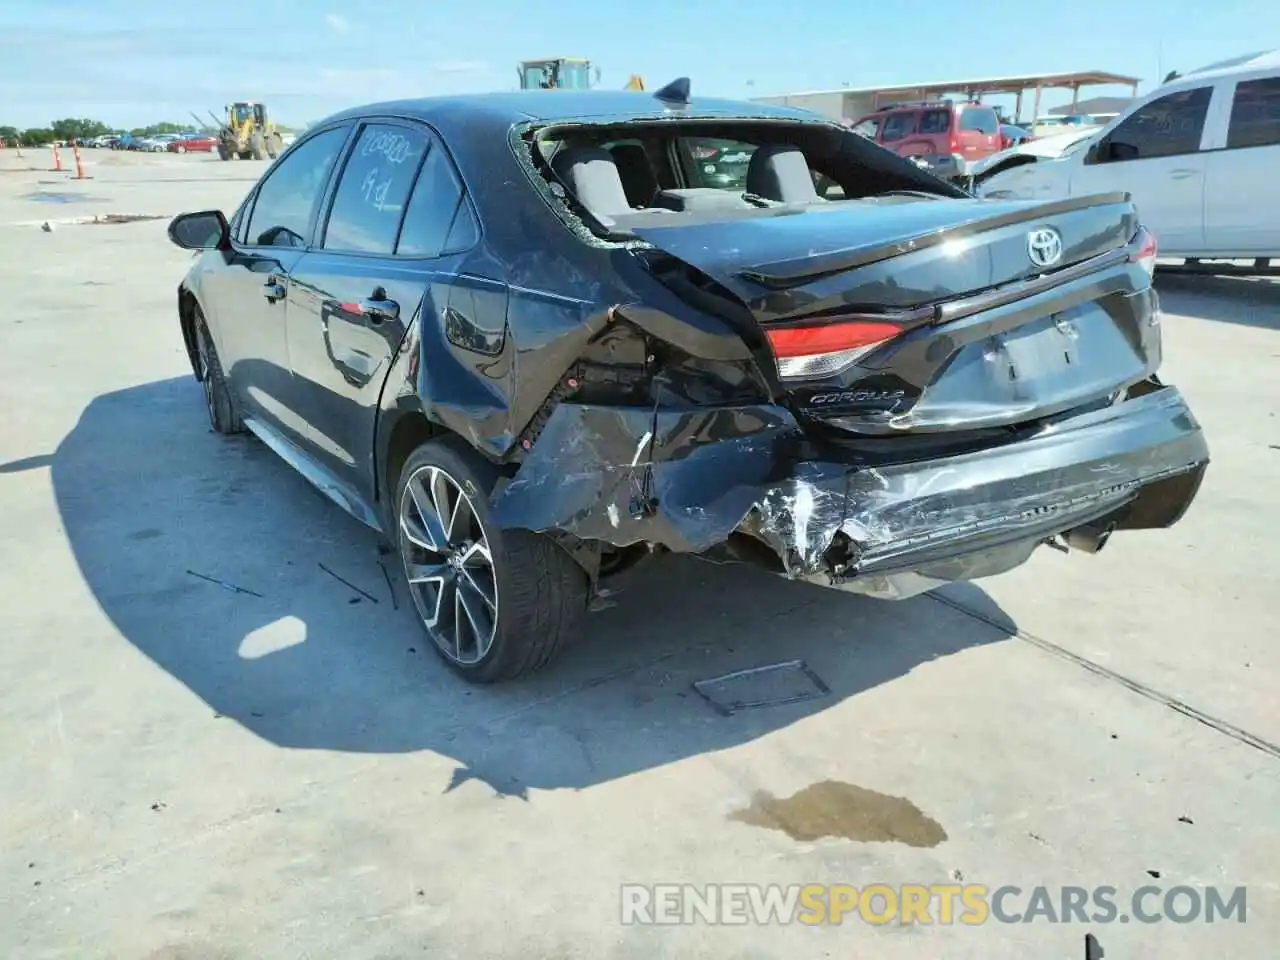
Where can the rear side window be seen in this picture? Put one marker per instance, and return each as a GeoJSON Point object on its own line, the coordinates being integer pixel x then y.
{"type": "Point", "coordinates": [439, 219]}
{"type": "Point", "coordinates": [282, 210]}
{"type": "Point", "coordinates": [370, 199]}
{"type": "Point", "coordinates": [980, 120]}
{"type": "Point", "coordinates": [1255, 114]}
{"type": "Point", "coordinates": [936, 121]}
{"type": "Point", "coordinates": [898, 125]}
{"type": "Point", "coordinates": [1165, 127]}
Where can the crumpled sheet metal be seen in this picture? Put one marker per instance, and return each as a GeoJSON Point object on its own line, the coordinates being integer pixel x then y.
{"type": "Point", "coordinates": [715, 471]}
{"type": "Point", "coordinates": [589, 474]}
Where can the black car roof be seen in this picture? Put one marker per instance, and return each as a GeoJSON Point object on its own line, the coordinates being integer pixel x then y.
{"type": "Point", "coordinates": [552, 106]}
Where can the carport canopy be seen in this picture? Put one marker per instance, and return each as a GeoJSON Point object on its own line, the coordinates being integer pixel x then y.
{"type": "Point", "coordinates": [1016, 86]}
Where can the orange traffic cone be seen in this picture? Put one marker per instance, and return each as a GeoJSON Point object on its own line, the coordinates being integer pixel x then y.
{"type": "Point", "coordinates": [80, 175]}
{"type": "Point", "coordinates": [57, 160]}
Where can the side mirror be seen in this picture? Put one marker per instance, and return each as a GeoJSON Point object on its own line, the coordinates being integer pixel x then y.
{"type": "Point", "coordinates": [206, 230]}
{"type": "Point", "coordinates": [1099, 152]}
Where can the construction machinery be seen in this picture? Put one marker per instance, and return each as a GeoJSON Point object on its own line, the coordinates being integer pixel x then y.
{"type": "Point", "coordinates": [248, 133]}
{"type": "Point", "coordinates": [565, 73]}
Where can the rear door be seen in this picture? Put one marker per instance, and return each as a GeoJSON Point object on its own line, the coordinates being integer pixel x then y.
{"type": "Point", "coordinates": [248, 297]}
{"type": "Point", "coordinates": [1242, 176]}
{"type": "Point", "coordinates": [388, 247]}
{"type": "Point", "coordinates": [935, 128]}
{"type": "Point", "coordinates": [1154, 154]}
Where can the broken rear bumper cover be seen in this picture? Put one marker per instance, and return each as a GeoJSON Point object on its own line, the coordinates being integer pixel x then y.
{"type": "Point", "coordinates": [708, 481]}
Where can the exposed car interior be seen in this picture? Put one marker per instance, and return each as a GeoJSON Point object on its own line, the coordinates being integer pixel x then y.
{"type": "Point", "coordinates": [649, 174]}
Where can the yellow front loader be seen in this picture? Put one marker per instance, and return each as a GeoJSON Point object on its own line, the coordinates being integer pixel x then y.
{"type": "Point", "coordinates": [565, 73]}
{"type": "Point", "coordinates": [248, 133]}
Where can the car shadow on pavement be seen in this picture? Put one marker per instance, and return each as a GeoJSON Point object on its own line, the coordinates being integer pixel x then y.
{"type": "Point", "coordinates": [205, 552]}
{"type": "Point", "coordinates": [1247, 301]}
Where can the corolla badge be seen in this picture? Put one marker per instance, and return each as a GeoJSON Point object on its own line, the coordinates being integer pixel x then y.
{"type": "Point", "coordinates": [1044, 246]}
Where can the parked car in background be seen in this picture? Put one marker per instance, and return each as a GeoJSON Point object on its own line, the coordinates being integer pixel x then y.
{"type": "Point", "coordinates": [1011, 135]}
{"type": "Point", "coordinates": [944, 137]}
{"type": "Point", "coordinates": [1028, 152]}
{"type": "Point", "coordinates": [193, 143]}
{"type": "Point", "coordinates": [1198, 155]}
{"type": "Point", "coordinates": [1049, 126]}
{"type": "Point", "coordinates": [532, 363]}
{"type": "Point", "coordinates": [160, 142]}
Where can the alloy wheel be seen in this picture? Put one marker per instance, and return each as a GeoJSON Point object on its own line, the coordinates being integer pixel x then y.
{"type": "Point", "coordinates": [448, 565]}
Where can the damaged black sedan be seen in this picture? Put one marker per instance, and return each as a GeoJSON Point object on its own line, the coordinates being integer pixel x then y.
{"type": "Point", "coordinates": [537, 337]}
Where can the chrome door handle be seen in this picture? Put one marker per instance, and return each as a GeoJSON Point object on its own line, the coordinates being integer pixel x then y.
{"type": "Point", "coordinates": [273, 290]}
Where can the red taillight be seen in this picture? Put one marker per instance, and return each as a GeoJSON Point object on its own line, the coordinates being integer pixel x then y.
{"type": "Point", "coordinates": [1143, 250]}
{"type": "Point", "coordinates": [821, 350]}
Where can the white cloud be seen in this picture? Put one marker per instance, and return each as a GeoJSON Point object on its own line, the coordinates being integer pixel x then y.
{"type": "Point", "coordinates": [338, 23]}
{"type": "Point", "coordinates": [461, 66]}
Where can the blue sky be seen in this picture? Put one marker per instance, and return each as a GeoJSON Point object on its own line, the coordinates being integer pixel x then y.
{"type": "Point", "coordinates": [133, 62]}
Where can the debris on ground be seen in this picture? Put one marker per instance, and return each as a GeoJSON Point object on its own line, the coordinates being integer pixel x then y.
{"type": "Point", "coordinates": [368, 596]}
{"type": "Point", "coordinates": [225, 585]}
{"type": "Point", "coordinates": [391, 589]}
{"type": "Point", "coordinates": [767, 686]}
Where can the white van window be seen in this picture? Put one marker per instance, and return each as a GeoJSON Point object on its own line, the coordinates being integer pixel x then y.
{"type": "Point", "coordinates": [1165, 127]}
{"type": "Point", "coordinates": [1255, 114]}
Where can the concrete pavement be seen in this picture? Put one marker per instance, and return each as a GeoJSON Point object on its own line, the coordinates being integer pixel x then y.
{"type": "Point", "coordinates": [187, 771]}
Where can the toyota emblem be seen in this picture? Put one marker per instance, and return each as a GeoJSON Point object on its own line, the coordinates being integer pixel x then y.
{"type": "Point", "coordinates": [1044, 246]}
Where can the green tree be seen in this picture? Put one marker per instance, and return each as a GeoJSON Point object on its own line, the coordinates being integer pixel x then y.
{"type": "Point", "coordinates": [37, 137]}
{"type": "Point", "coordinates": [9, 135]}
{"type": "Point", "coordinates": [79, 129]}
{"type": "Point", "coordinates": [166, 127]}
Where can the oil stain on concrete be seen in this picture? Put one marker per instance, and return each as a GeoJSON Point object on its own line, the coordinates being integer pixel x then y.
{"type": "Point", "coordinates": [835, 809]}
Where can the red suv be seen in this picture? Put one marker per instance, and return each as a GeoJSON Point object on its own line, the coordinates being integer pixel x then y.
{"type": "Point", "coordinates": [945, 137]}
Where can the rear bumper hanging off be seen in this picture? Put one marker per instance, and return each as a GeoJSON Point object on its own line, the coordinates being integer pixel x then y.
{"type": "Point", "coordinates": [700, 481]}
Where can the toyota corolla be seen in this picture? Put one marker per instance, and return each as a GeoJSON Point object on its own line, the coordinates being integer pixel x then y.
{"type": "Point", "coordinates": [532, 341]}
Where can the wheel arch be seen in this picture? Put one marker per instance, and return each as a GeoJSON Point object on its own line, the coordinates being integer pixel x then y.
{"type": "Point", "coordinates": [187, 306]}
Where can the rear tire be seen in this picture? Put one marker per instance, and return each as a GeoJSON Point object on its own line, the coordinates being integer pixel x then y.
{"type": "Point", "coordinates": [224, 416]}
{"type": "Point", "coordinates": [496, 604]}
{"type": "Point", "coordinates": [223, 152]}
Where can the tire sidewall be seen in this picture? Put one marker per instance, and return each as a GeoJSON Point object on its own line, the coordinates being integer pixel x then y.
{"type": "Point", "coordinates": [219, 404]}
{"type": "Point", "coordinates": [476, 477]}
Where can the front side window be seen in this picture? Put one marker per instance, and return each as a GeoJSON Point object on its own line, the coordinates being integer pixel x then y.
{"type": "Point", "coordinates": [1255, 114]}
{"type": "Point", "coordinates": [371, 196]}
{"type": "Point", "coordinates": [868, 128]}
{"type": "Point", "coordinates": [1165, 127]}
{"type": "Point", "coordinates": [288, 196]}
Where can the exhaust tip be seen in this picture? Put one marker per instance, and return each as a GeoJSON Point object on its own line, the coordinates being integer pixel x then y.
{"type": "Point", "coordinates": [1089, 538]}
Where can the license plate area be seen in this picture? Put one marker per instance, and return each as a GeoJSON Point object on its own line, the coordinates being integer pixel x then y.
{"type": "Point", "coordinates": [1045, 349]}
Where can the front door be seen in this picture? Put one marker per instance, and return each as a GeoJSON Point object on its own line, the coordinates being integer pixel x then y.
{"type": "Point", "coordinates": [388, 248]}
{"type": "Point", "coordinates": [1154, 155]}
{"type": "Point", "coordinates": [252, 296]}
